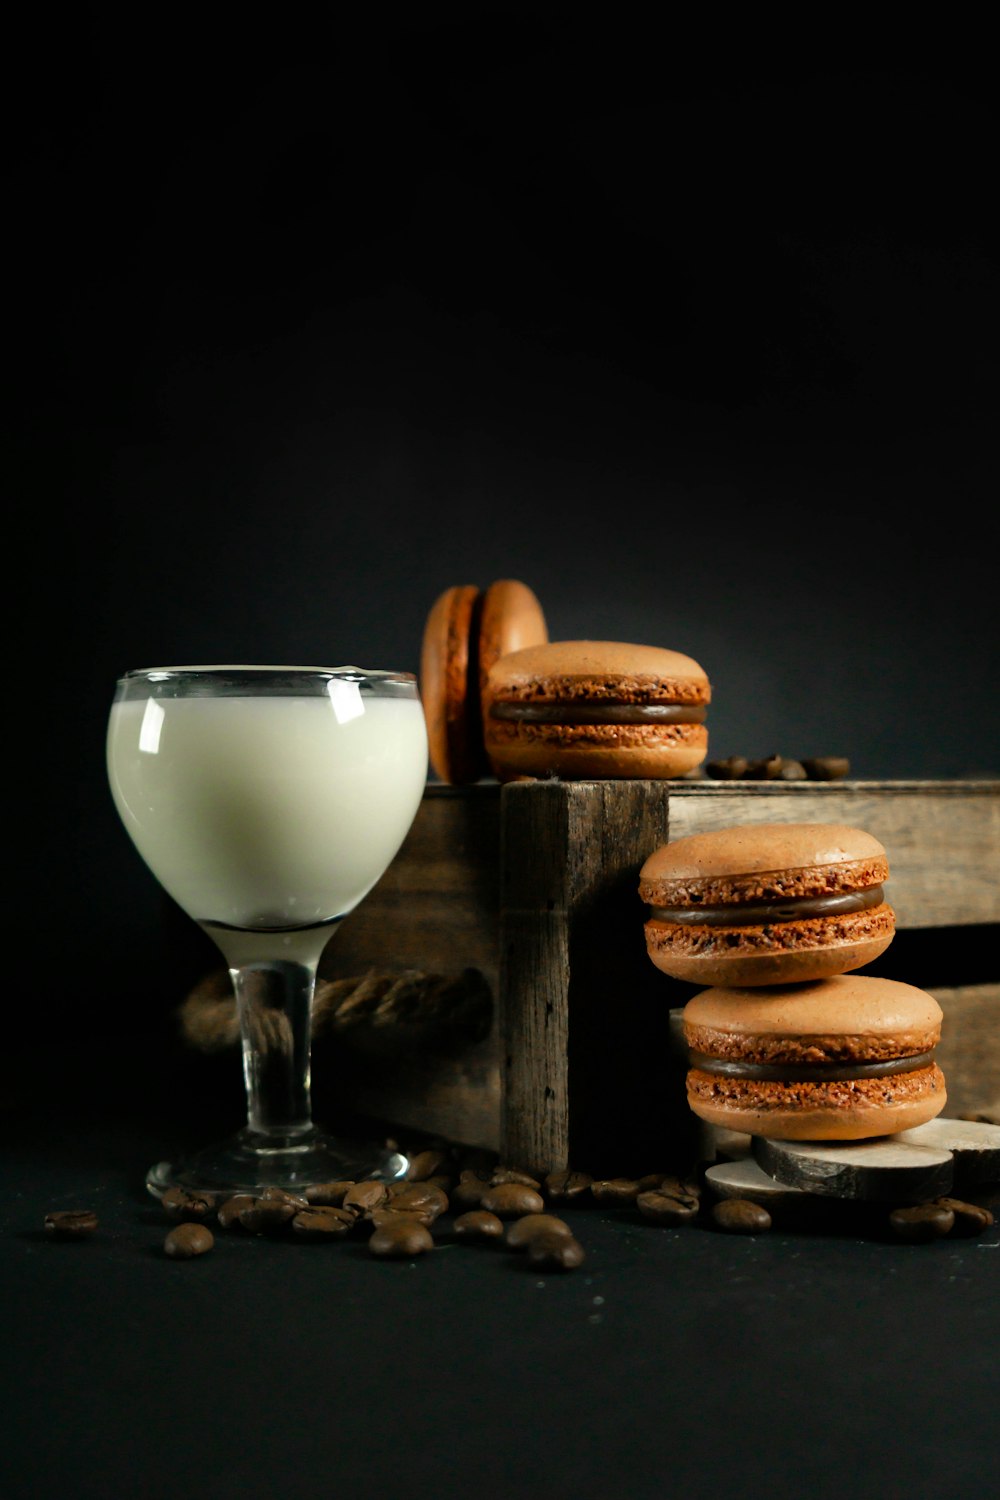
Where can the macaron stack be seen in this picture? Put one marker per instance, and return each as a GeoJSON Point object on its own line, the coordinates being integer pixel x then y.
{"type": "Point", "coordinates": [499, 697]}
{"type": "Point", "coordinates": [788, 1042]}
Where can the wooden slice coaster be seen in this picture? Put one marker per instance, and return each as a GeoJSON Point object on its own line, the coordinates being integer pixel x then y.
{"type": "Point", "coordinates": [882, 1170]}
{"type": "Point", "coordinates": [974, 1145]}
{"type": "Point", "coordinates": [745, 1179]}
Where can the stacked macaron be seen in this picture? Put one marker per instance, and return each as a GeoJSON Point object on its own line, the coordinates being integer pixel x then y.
{"type": "Point", "coordinates": [788, 1042]}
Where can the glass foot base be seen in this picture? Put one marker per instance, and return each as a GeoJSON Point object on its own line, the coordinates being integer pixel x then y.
{"type": "Point", "coordinates": [246, 1164]}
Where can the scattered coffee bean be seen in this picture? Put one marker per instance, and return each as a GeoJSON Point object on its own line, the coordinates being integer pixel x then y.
{"type": "Point", "coordinates": [281, 1195]}
{"type": "Point", "coordinates": [188, 1207]}
{"type": "Point", "coordinates": [266, 1215]}
{"type": "Point", "coordinates": [921, 1223]}
{"type": "Point", "coordinates": [420, 1198]}
{"type": "Point", "coordinates": [615, 1191]}
{"type": "Point", "coordinates": [792, 770]}
{"type": "Point", "coordinates": [514, 1174]}
{"type": "Point", "coordinates": [400, 1236]}
{"type": "Point", "coordinates": [666, 1208]}
{"type": "Point", "coordinates": [727, 770]}
{"type": "Point", "coordinates": [827, 767]}
{"type": "Point", "coordinates": [364, 1197]}
{"type": "Point", "coordinates": [424, 1164]}
{"type": "Point", "coordinates": [478, 1225]}
{"type": "Point", "coordinates": [322, 1222]}
{"type": "Point", "coordinates": [522, 1231]}
{"type": "Point", "coordinates": [229, 1210]}
{"type": "Point", "coordinates": [442, 1180]}
{"type": "Point", "coordinates": [740, 1216]}
{"type": "Point", "coordinates": [969, 1217]}
{"type": "Point", "coordinates": [70, 1223]}
{"type": "Point", "coordinates": [469, 1189]}
{"type": "Point", "coordinates": [565, 1187]}
{"type": "Point", "coordinates": [328, 1194]}
{"type": "Point", "coordinates": [188, 1240]}
{"type": "Point", "coordinates": [768, 769]}
{"type": "Point", "coordinates": [555, 1252]}
{"type": "Point", "coordinates": [509, 1200]}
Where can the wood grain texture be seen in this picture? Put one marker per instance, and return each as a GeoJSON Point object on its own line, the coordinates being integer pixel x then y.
{"type": "Point", "coordinates": [942, 838]}
{"type": "Point", "coordinates": [969, 1051]}
{"type": "Point", "coordinates": [589, 1079]}
{"type": "Point", "coordinates": [874, 1171]}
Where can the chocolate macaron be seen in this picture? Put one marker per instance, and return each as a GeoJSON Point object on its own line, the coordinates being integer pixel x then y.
{"type": "Point", "coordinates": [466, 631]}
{"type": "Point", "coordinates": [596, 709]}
{"type": "Point", "coordinates": [767, 903]}
{"type": "Point", "coordinates": [840, 1059]}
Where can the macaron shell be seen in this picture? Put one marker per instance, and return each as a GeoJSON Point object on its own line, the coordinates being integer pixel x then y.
{"type": "Point", "coordinates": [781, 858]}
{"type": "Point", "coordinates": [595, 752]}
{"type": "Point", "coordinates": [822, 1112]}
{"type": "Point", "coordinates": [449, 686]}
{"type": "Point", "coordinates": [591, 670]}
{"type": "Point", "coordinates": [778, 953]}
{"type": "Point", "coordinates": [860, 1005]}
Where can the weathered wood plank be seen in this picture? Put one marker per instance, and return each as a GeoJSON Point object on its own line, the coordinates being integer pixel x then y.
{"type": "Point", "coordinates": [969, 1051]}
{"type": "Point", "coordinates": [942, 838]}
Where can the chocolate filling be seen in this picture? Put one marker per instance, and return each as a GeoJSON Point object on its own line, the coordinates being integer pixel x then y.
{"type": "Point", "coordinates": [601, 713]}
{"type": "Point", "coordinates": [816, 1073]}
{"type": "Point", "coordinates": [740, 914]}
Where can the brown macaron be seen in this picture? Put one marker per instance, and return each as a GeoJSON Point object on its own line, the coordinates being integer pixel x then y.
{"type": "Point", "coordinates": [839, 1060]}
{"type": "Point", "coordinates": [586, 710]}
{"type": "Point", "coordinates": [767, 903]}
{"type": "Point", "coordinates": [465, 633]}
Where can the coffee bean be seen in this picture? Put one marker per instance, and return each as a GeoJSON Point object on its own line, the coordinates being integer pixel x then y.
{"type": "Point", "coordinates": [328, 1194]}
{"type": "Point", "coordinates": [478, 1225]}
{"type": "Point", "coordinates": [727, 770]}
{"type": "Point", "coordinates": [322, 1222]}
{"type": "Point", "coordinates": [514, 1174]}
{"type": "Point", "coordinates": [187, 1240]}
{"type": "Point", "coordinates": [826, 767]}
{"type": "Point", "coordinates": [364, 1197]}
{"type": "Point", "coordinates": [922, 1223]}
{"type": "Point", "coordinates": [555, 1252]}
{"type": "Point", "coordinates": [565, 1187]}
{"type": "Point", "coordinates": [469, 1189]}
{"type": "Point", "coordinates": [509, 1200]}
{"type": "Point", "coordinates": [70, 1223]}
{"type": "Point", "coordinates": [969, 1217]}
{"type": "Point", "coordinates": [616, 1191]}
{"type": "Point", "coordinates": [400, 1236]}
{"type": "Point", "coordinates": [229, 1210]}
{"type": "Point", "coordinates": [522, 1231]}
{"type": "Point", "coordinates": [768, 769]}
{"type": "Point", "coordinates": [420, 1198]}
{"type": "Point", "coordinates": [792, 770]}
{"type": "Point", "coordinates": [740, 1216]}
{"type": "Point", "coordinates": [665, 1208]}
{"type": "Point", "coordinates": [187, 1207]}
{"type": "Point", "coordinates": [266, 1215]}
{"type": "Point", "coordinates": [424, 1165]}
{"type": "Point", "coordinates": [282, 1195]}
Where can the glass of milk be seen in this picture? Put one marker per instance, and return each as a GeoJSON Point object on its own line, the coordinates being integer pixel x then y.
{"type": "Point", "coordinates": [268, 801]}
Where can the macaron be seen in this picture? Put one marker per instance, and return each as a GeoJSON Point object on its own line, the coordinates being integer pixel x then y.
{"type": "Point", "coordinates": [767, 903]}
{"type": "Point", "coordinates": [839, 1059]}
{"type": "Point", "coordinates": [466, 631]}
{"type": "Point", "coordinates": [586, 710]}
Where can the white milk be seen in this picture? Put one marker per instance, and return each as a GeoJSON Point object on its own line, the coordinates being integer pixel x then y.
{"type": "Point", "coordinates": [268, 812]}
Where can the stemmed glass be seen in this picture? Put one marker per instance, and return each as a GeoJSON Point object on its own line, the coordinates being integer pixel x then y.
{"type": "Point", "coordinates": [268, 801]}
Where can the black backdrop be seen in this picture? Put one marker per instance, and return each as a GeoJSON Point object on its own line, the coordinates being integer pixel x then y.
{"type": "Point", "coordinates": [694, 332]}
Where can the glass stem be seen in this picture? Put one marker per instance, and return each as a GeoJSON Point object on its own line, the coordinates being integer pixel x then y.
{"type": "Point", "coordinates": [274, 1001]}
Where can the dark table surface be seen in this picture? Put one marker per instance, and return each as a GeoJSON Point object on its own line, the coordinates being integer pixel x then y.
{"type": "Point", "coordinates": [813, 1359]}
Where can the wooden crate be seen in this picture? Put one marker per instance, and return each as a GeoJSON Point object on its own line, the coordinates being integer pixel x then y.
{"type": "Point", "coordinates": [534, 887]}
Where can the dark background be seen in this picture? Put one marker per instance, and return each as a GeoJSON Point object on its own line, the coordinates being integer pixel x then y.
{"type": "Point", "coordinates": [693, 331]}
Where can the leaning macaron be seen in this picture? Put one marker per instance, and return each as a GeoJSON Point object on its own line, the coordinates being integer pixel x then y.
{"type": "Point", "coordinates": [466, 631]}
{"type": "Point", "coordinates": [767, 903]}
{"type": "Point", "coordinates": [596, 709]}
{"type": "Point", "coordinates": [840, 1059]}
